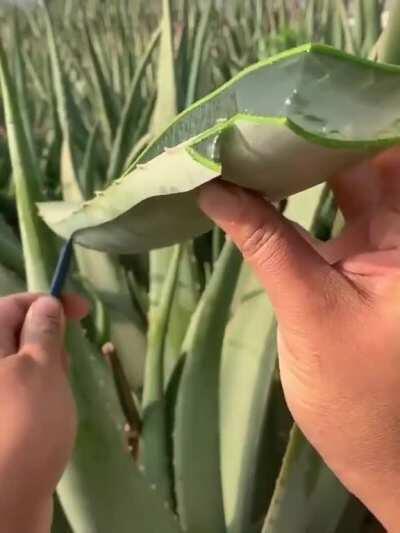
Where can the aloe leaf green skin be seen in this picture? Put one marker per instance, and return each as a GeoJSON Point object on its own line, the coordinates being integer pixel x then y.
{"type": "Point", "coordinates": [307, 485]}
{"type": "Point", "coordinates": [279, 127]}
{"type": "Point", "coordinates": [197, 472]}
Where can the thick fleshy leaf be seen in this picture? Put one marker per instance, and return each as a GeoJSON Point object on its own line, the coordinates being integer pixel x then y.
{"type": "Point", "coordinates": [279, 127]}
{"type": "Point", "coordinates": [306, 484]}
{"type": "Point", "coordinates": [196, 437]}
{"type": "Point", "coordinates": [10, 249]}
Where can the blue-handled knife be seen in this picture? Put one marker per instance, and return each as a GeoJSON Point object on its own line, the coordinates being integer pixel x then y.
{"type": "Point", "coordinates": [62, 269]}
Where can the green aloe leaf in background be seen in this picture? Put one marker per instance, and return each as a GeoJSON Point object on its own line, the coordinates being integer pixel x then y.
{"type": "Point", "coordinates": [104, 272]}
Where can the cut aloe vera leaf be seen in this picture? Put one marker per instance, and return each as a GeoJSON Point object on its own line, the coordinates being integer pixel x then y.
{"type": "Point", "coordinates": [279, 127]}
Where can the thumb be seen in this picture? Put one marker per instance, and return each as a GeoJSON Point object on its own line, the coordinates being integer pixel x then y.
{"type": "Point", "coordinates": [295, 276]}
{"type": "Point", "coordinates": [42, 334]}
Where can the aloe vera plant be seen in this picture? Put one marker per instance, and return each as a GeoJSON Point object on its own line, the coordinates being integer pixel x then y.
{"type": "Point", "coordinates": [313, 118]}
{"type": "Point", "coordinates": [98, 87]}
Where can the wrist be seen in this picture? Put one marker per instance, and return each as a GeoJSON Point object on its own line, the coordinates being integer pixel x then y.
{"type": "Point", "coordinates": [36, 518]}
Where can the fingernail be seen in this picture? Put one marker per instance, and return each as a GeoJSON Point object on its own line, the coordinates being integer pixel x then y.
{"type": "Point", "coordinates": [220, 200]}
{"type": "Point", "coordinates": [45, 307]}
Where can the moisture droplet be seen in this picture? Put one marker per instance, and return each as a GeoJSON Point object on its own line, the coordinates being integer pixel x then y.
{"type": "Point", "coordinates": [141, 468]}
{"type": "Point", "coordinates": [216, 150]}
{"type": "Point", "coordinates": [169, 149]}
{"type": "Point", "coordinates": [153, 486]}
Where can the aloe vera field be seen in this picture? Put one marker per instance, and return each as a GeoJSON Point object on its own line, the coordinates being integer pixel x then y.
{"type": "Point", "coordinates": [113, 113]}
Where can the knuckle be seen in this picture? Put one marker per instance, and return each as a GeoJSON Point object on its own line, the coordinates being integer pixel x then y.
{"type": "Point", "coordinates": [53, 321]}
{"type": "Point", "coordinates": [26, 366]}
{"type": "Point", "coordinates": [263, 246]}
{"type": "Point", "coordinates": [49, 327]}
{"type": "Point", "coordinates": [31, 353]}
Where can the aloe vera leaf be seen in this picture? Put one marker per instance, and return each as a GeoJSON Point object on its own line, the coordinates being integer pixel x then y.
{"type": "Point", "coordinates": [91, 499]}
{"type": "Point", "coordinates": [107, 114]}
{"type": "Point", "coordinates": [60, 523]}
{"type": "Point", "coordinates": [306, 483]}
{"type": "Point", "coordinates": [344, 18]}
{"type": "Point", "coordinates": [117, 156]}
{"type": "Point", "coordinates": [389, 47]}
{"type": "Point", "coordinates": [309, 18]}
{"type": "Point", "coordinates": [247, 374]}
{"type": "Point", "coordinates": [10, 282]}
{"type": "Point", "coordinates": [154, 447]}
{"type": "Point", "coordinates": [196, 437]}
{"type": "Point", "coordinates": [19, 74]}
{"type": "Point", "coordinates": [372, 13]}
{"type": "Point", "coordinates": [36, 240]}
{"type": "Point", "coordinates": [87, 172]}
{"type": "Point", "coordinates": [10, 250]}
{"type": "Point", "coordinates": [184, 51]}
{"type": "Point", "coordinates": [103, 272]}
{"type": "Point", "coordinates": [167, 99]}
{"type": "Point", "coordinates": [328, 124]}
{"type": "Point", "coordinates": [354, 517]}
{"type": "Point", "coordinates": [163, 274]}
{"type": "Point", "coordinates": [198, 52]}
{"type": "Point", "coordinates": [336, 27]}
{"type": "Point", "coordinates": [105, 508]}
{"type": "Point", "coordinates": [248, 365]}
{"type": "Point", "coordinates": [359, 28]}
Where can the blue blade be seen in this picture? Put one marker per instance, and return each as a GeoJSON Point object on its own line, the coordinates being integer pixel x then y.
{"type": "Point", "coordinates": [62, 269]}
